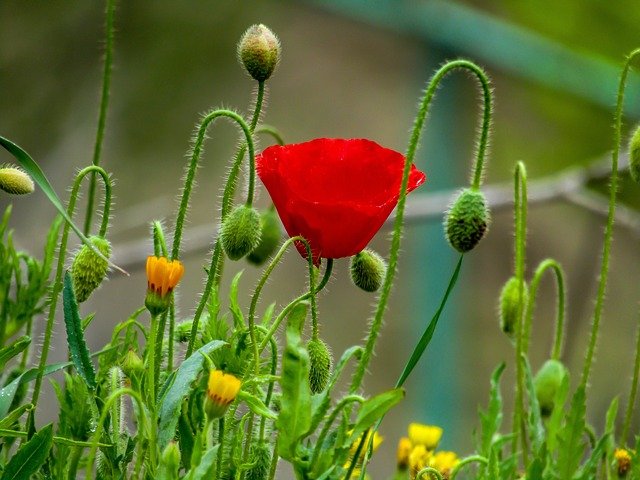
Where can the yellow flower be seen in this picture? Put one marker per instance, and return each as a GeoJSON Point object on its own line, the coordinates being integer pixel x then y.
{"type": "Point", "coordinates": [162, 277]}
{"type": "Point", "coordinates": [427, 435]}
{"type": "Point", "coordinates": [404, 450]}
{"type": "Point", "coordinates": [623, 461]}
{"type": "Point", "coordinates": [222, 389]}
{"type": "Point", "coordinates": [377, 440]}
{"type": "Point", "coordinates": [444, 462]}
{"type": "Point", "coordinates": [418, 459]}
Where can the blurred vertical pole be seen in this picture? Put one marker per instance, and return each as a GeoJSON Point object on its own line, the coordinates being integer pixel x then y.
{"type": "Point", "coordinates": [435, 382]}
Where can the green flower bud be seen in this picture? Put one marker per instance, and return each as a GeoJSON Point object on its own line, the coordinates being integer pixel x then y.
{"type": "Point", "coordinates": [510, 303]}
{"type": "Point", "coordinates": [260, 456]}
{"type": "Point", "coordinates": [547, 382]}
{"type": "Point", "coordinates": [183, 331]}
{"type": "Point", "coordinates": [269, 239]}
{"type": "Point", "coordinates": [467, 220]}
{"type": "Point", "coordinates": [259, 52]}
{"type": "Point", "coordinates": [320, 363]}
{"type": "Point", "coordinates": [132, 364]}
{"type": "Point", "coordinates": [240, 232]}
{"type": "Point", "coordinates": [368, 270]}
{"type": "Point", "coordinates": [88, 270]}
{"type": "Point", "coordinates": [13, 180]}
{"type": "Point", "coordinates": [170, 462]}
{"type": "Point", "coordinates": [634, 155]}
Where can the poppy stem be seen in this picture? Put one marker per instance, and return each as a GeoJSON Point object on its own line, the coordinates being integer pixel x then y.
{"type": "Point", "coordinates": [606, 249]}
{"type": "Point", "coordinates": [632, 393]}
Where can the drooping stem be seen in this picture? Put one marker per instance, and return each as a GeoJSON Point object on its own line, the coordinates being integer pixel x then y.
{"type": "Point", "coordinates": [520, 211]}
{"type": "Point", "coordinates": [273, 131]}
{"type": "Point", "coordinates": [608, 233]}
{"type": "Point", "coordinates": [432, 472]}
{"type": "Point", "coordinates": [57, 284]}
{"type": "Point", "coordinates": [104, 105]}
{"type": "Point", "coordinates": [418, 125]}
{"type": "Point", "coordinates": [633, 392]}
{"type": "Point", "coordinates": [556, 268]}
{"type": "Point", "coordinates": [467, 461]}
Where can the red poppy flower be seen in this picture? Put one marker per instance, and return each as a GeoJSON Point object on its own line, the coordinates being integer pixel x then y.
{"type": "Point", "coordinates": [336, 193]}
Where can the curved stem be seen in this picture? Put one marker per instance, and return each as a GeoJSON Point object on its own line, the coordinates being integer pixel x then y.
{"type": "Point", "coordinates": [327, 424]}
{"type": "Point", "coordinates": [608, 235]}
{"type": "Point", "coordinates": [193, 164]}
{"type": "Point", "coordinates": [466, 461]}
{"type": "Point", "coordinates": [632, 393]}
{"type": "Point", "coordinates": [548, 264]}
{"type": "Point", "coordinates": [273, 131]}
{"type": "Point", "coordinates": [520, 208]}
{"type": "Point", "coordinates": [57, 284]}
{"type": "Point", "coordinates": [418, 125]}
{"type": "Point", "coordinates": [103, 416]}
{"type": "Point", "coordinates": [104, 105]}
{"type": "Point", "coordinates": [430, 471]}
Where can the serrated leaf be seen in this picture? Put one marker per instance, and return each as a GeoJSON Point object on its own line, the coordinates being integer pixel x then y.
{"type": "Point", "coordinates": [534, 420]}
{"type": "Point", "coordinates": [256, 405]}
{"type": "Point", "coordinates": [491, 420]}
{"type": "Point", "coordinates": [30, 456]}
{"type": "Point", "coordinates": [14, 415]}
{"type": "Point", "coordinates": [181, 387]}
{"type": "Point", "coordinates": [590, 467]}
{"type": "Point", "coordinates": [555, 420]}
{"type": "Point", "coordinates": [295, 414]}
{"type": "Point", "coordinates": [570, 438]}
{"type": "Point", "coordinates": [538, 464]}
{"type": "Point", "coordinates": [16, 348]}
{"type": "Point", "coordinates": [373, 410]}
{"type": "Point", "coordinates": [236, 311]}
{"type": "Point", "coordinates": [75, 334]}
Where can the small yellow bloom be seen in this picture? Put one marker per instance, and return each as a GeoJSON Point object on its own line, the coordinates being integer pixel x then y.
{"type": "Point", "coordinates": [418, 459]}
{"type": "Point", "coordinates": [377, 440]}
{"type": "Point", "coordinates": [623, 461]}
{"type": "Point", "coordinates": [427, 435]}
{"type": "Point", "coordinates": [162, 277]}
{"type": "Point", "coordinates": [404, 450]}
{"type": "Point", "coordinates": [222, 389]}
{"type": "Point", "coordinates": [444, 462]}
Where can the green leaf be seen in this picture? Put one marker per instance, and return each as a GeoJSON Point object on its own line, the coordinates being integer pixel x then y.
{"type": "Point", "coordinates": [10, 351]}
{"type": "Point", "coordinates": [555, 420]}
{"type": "Point", "coordinates": [590, 467]}
{"type": "Point", "coordinates": [373, 410]}
{"type": "Point", "coordinates": [536, 429]}
{"type": "Point", "coordinates": [536, 467]}
{"type": "Point", "coordinates": [236, 311]}
{"type": "Point", "coordinates": [36, 173]}
{"type": "Point", "coordinates": [570, 438]}
{"type": "Point", "coordinates": [75, 335]}
{"type": "Point", "coordinates": [205, 467]}
{"type": "Point", "coordinates": [256, 405]}
{"type": "Point", "coordinates": [13, 416]}
{"type": "Point", "coordinates": [295, 413]}
{"type": "Point", "coordinates": [491, 420]}
{"type": "Point", "coordinates": [178, 391]}
{"type": "Point", "coordinates": [30, 456]}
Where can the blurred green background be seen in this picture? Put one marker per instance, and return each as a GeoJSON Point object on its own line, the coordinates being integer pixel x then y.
{"type": "Point", "coordinates": [349, 69]}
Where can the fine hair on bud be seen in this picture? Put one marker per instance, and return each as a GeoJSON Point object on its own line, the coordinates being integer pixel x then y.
{"type": "Point", "coordinates": [259, 52]}
{"type": "Point", "coordinates": [467, 220]}
{"type": "Point", "coordinates": [320, 363]}
{"type": "Point", "coordinates": [510, 305]}
{"type": "Point", "coordinates": [634, 155]}
{"type": "Point", "coordinates": [367, 270]}
{"type": "Point", "coordinates": [547, 382]}
{"type": "Point", "coordinates": [15, 181]}
{"type": "Point", "coordinates": [269, 239]}
{"type": "Point", "coordinates": [240, 232]}
{"type": "Point", "coordinates": [88, 270]}
{"type": "Point", "coordinates": [260, 456]}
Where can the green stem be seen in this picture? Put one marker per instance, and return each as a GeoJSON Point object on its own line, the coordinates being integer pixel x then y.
{"type": "Point", "coordinates": [467, 461]}
{"type": "Point", "coordinates": [632, 393]}
{"type": "Point", "coordinates": [73, 463]}
{"type": "Point", "coordinates": [520, 209]}
{"type": "Point", "coordinates": [608, 235]}
{"type": "Point", "coordinates": [158, 350]}
{"type": "Point", "coordinates": [151, 360]}
{"type": "Point", "coordinates": [429, 471]}
{"type": "Point", "coordinates": [274, 461]}
{"type": "Point", "coordinates": [104, 104]}
{"type": "Point", "coordinates": [418, 125]}
{"type": "Point", "coordinates": [273, 131]}
{"type": "Point", "coordinates": [274, 369]}
{"type": "Point", "coordinates": [548, 264]}
{"type": "Point", "coordinates": [220, 447]}
{"type": "Point", "coordinates": [57, 284]}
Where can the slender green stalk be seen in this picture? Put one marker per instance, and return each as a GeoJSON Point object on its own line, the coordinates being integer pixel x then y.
{"type": "Point", "coordinates": [76, 455]}
{"type": "Point", "coordinates": [274, 369]}
{"type": "Point", "coordinates": [467, 461]}
{"type": "Point", "coordinates": [57, 284]}
{"type": "Point", "coordinates": [520, 210]}
{"type": "Point", "coordinates": [104, 105]}
{"type": "Point", "coordinates": [608, 234]}
{"type": "Point", "coordinates": [632, 393]}
{"type": "Point", "coordinates": [158, 349]}
{"type": "Point", "coordinates": [274, 461]}
{"type": "Point", "coordinates": [220, 447]}
{"type": "Point", "coordinates": [151, 360]}
{"type": "Point", "coordinates": [556, 268]}
{"type": "Point", "coordinates": [273, 131]}
{"type": "Point", "coordinates": [432, 472]}
{"type": "Point", "coordinates": [418, 125]}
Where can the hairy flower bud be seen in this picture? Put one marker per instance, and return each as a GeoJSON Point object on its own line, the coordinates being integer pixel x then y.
{"type": "Point", "coordinates": [88, 270]}
{"type": "Point", "coordinates": [222, 389]}
{"type": "Point", "coordinates": [260, 456]}
{"type": "Point", "coordinates": [510, 304]}
{"type": "Point", "coordinates": [132, 364]}
{"type": "Point", "coordinates": [467, 220]}
{"type": "Point", "coordinates": [15, 181]}
{"type": "Point", "coordinates": [320, 363]}
{"type": "Point", "coordinates": [240, 232]}
{"type": "Point", "coordinates": [269, 239]}
{"type": "Point", "coordinates": [634, 156]}
{"type": "Point", "coordinates": [170, 462]}
{"type": "Point", "coordinates": [259, 52]}
{"type": "Point", "coordinates": [368, 270]}
{"type": "Point", "coordinates": [547, 383]}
